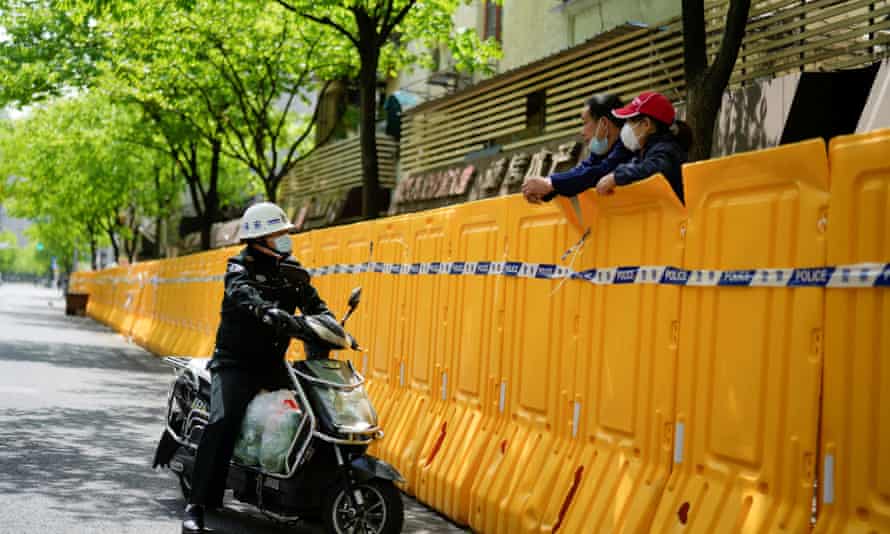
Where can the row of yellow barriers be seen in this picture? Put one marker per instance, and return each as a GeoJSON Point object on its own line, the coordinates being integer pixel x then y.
{"type": "Point", "coordinates": [520, 405]}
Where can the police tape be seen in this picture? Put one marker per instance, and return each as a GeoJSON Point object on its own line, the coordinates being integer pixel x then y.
{"type": "Point", "coordinates": [843, 276]}
{"type": "Point", "coordinates": [851, 276]}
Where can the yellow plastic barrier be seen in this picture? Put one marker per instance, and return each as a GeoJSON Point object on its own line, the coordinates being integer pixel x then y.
{"type": "Point", "coordinates": [162, 338]}
{"type": "Point", "coordinates": [455, 419]}
{"type": "Point", "coordinates": [357, 248]}
{"type": "Point", "coordinates": [133, 303]}
{"type": "Point", "coordinates": [211, 300]}
{"type": "Point", "coordinates": [854, 469]}
{"type": "Point", "coordinates": [748, 371]}
{"type": "Point", "coordinates": [517, 482]}
{"type": "Point", "coordinates": [423, 365]}
{"type": "Point", "coordinates": [461, 431]}
{"type": "Point", "coordinates": [387, 298]}
{"type": "Point", "coordinates": [145, 311]}
{"type": "Point", "coordinates": [519, 405]}
{"type": "Point", "coordinates": [302, 250]}
{"type": "Point", "coordinates": [623, 382]}
{"type": "Point", "coordinates": [183, 311]}
{"type": "Point", "coordinates": [102, 308]}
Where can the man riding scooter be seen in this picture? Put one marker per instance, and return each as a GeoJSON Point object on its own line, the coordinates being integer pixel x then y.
{"type": "Point", "coordinates": [264, 285]}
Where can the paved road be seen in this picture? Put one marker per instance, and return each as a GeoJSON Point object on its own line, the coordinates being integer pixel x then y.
{"type": "Point", "coordinates": [80, 412]}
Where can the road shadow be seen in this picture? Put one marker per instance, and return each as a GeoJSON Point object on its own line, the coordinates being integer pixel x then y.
{"type": "Point", "coordinates": [70, 355]}
{"type": "Point", "coordinates": [92, 461]}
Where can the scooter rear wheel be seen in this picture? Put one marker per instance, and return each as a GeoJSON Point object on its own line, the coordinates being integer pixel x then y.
{"type": "Point", "coordinates": [381, 511]}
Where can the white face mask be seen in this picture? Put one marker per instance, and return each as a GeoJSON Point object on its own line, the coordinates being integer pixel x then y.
{"type": "Point", "coordinates": [629, 138]}
{"type": "Point", "coordinates": [283, 244]}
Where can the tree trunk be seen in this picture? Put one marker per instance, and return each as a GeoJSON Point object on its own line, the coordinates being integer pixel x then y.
{"type": "Point", "coordinates": [703, 106]}
{"type": "Point", "coordinates": [132, 247]}
{"type": "Point", "coordinates": [114, 246]}
{"type": "Point", "coordinates": [159, 236]}
{"type": "Point", "coordinates": [159, 220]}
{"type": "Point", "coordinates": [94, 259]}
{"type": "Point", "coordinates": [271, 186]}
{"type": "Point", "coordinates": [370, 56]}
{"type": "Point", "coordinates": [206, 227]}
{"type": "Point", "coordinates": [705, 84]}
{"type": "Point", "coordinates": [211, 201]}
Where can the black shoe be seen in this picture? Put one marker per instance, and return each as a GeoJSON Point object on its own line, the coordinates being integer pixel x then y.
{"type": "Point", "coordinates": [194, 520]}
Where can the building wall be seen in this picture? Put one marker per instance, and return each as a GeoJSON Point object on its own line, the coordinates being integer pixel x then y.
{"type": "Point", "coordinates": [534, 29]}
{"type": "Point", "coordinates": [877, 110]}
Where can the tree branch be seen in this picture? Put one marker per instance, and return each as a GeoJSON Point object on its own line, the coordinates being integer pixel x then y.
{"type": "Point", "coordinates": [289, 161]}
{"type": "Point", "coordinates": [144, 144]}
{"type": "Point", "coordinates": [231, 151]}
{"type": "Point", "coordinates": [736, 22]}
{"type": "Point", "coordinates": [387, 30]}
{"type": "Point", "coordinates": [387, 14]}
{"type": "Point", "coordinates": [321, 20]}
{"type": "Point", "coordinates": [247, 154]}
{"type": "Point", "coordinates": [236, 81]}
{"type": "Point", "coordinates": [195, 171]}
{"type": "Point", "coordinates": [293, 93]}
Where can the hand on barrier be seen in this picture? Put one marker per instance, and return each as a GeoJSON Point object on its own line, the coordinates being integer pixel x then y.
{"type": "Point", "coordinates": [535, 188]}
{"type": "Point", "coordinates": [606, 185]}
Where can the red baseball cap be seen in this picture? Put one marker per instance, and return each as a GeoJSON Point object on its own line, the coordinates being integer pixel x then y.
{"type": "Point", "coordinates": [650, 103]}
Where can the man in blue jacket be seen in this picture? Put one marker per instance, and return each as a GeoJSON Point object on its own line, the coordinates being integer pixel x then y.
{"type": "Point", "coordinates": [601, 132]}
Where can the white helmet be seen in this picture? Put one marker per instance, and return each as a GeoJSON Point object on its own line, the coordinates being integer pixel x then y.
{"type": "Point", "coordinates": [263, 219]}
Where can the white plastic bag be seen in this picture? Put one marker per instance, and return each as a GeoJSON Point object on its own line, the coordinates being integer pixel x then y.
{"type": "Point", "coordinates": [278, 434]}
{"type": "Point", "coordinates": [268, 430]}
{"type": "Point", "coordinates": [247, 448]}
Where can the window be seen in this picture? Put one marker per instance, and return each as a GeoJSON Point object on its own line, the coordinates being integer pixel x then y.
{"type": "Point", "coordinates": [535, 119]}
{"type": "Point", "coordinates": [493, 13]}
{"type": "Point", "coordinates": [536, 112]}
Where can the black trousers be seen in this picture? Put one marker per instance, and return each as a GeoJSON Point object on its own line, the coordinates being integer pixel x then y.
{"type": "Point", "coordinates": [231, 390]}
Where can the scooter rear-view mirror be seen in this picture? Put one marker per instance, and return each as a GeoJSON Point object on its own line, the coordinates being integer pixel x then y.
{"type": "Point", "coordinates": [355, 297]}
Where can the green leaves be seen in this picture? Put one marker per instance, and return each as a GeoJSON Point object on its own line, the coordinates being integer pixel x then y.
{"type": "Point", "coordinates": [74, 169]}
{"type": "Point", "coordinates": [134, 95]}
{"type": "Point", "coordinates": [47, 50]}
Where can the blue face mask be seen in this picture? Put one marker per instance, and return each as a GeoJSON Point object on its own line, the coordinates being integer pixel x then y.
{"type": "Point", "coordinates": [283, 244]}
{"type": "Point", "coordinates": [599, 145]}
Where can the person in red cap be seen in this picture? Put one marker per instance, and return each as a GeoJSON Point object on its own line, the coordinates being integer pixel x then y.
{"type": "Point", "coordinates": [660, 143]}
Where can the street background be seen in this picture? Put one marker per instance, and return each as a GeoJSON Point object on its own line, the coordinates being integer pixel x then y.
{"type": "Point", "coordinates": [81, 410]}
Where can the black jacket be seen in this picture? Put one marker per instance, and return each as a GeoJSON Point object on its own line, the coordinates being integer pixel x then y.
{"type": "Point", "coordinates": [663, 154]}
{"type": "Point", "coordinates": [253, 284]}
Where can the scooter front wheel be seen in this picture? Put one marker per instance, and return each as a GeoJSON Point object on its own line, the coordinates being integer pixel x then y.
{"type": "Point", "coordinates": [375, 508]}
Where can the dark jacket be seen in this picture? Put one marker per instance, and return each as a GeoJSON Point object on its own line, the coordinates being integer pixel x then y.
{"type": "Point", "coordinates": [663, 154]}
{"type": "Point", "coordinates": [587, 173]}
{"type": "Point", "coordinates": [253, 284]}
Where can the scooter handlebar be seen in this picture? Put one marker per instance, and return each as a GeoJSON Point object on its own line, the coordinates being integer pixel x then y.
{"type": "Point", "coordinates": [321, 329]}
